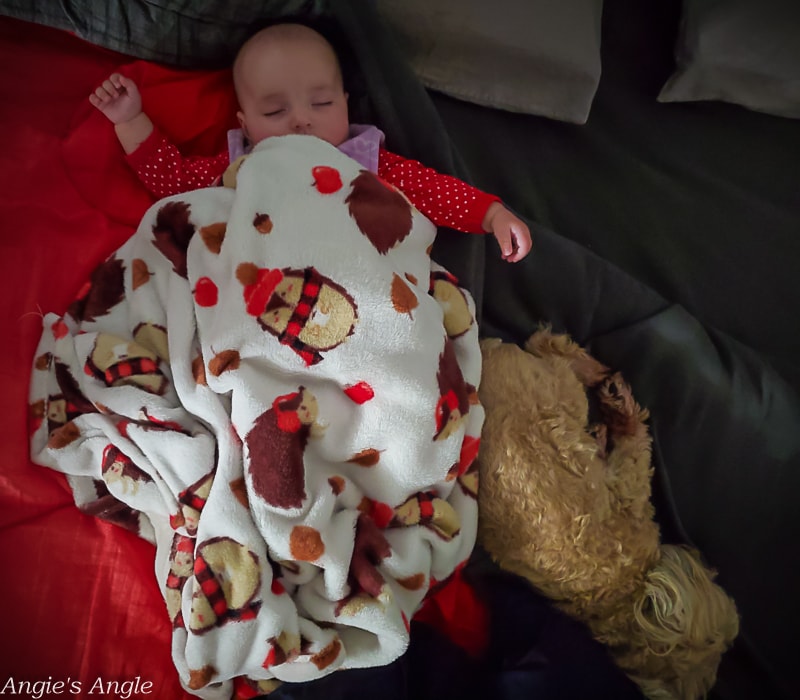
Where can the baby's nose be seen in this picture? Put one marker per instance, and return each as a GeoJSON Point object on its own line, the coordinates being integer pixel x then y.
{"type": "Point", "coordinates": [301, 121]}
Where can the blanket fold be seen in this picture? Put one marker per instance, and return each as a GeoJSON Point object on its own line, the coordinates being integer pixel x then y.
{"type": "Point", "coordinates": [277, 386]}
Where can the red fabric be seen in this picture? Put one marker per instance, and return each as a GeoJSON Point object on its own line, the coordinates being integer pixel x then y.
{"type": "Point", "coordinates": [454, 609]}
{"type": "Point", "coordinates": [80, 600]}
{"type": "Point", "coordinates": [80, 597]}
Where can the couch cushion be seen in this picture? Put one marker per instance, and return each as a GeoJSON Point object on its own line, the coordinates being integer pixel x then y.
{"type": "Point", "coordinates": [739, 51]}
{"type": "Point", "coordinates": [537, 57]}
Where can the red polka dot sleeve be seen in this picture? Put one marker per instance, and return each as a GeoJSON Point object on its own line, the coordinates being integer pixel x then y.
{"type": "Point", "coordinates": [164, 171]}
{"type": "Point", "coordinates": [445, 200]}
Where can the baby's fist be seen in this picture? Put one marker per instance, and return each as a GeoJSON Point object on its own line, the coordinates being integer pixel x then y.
{"type": "Point", "coordinates": [118, 98]}
{"type": "Point", "coordinates": [511, 232]}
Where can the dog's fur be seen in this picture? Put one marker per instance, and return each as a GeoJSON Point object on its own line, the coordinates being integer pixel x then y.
{"type": "Point", "coordinates": [565, 502]}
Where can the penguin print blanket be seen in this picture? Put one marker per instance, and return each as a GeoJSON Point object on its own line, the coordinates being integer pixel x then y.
{"type": "Point", "coordinates": [273, 383]}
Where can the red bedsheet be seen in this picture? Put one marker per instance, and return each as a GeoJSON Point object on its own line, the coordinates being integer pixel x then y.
{"type": "Point", "coordinates": [80, 605]}
{"type": "Point", "coordinates": [78, 596]}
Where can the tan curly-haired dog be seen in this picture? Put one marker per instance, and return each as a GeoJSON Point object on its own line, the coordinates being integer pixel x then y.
{"type": "Point", "coordinates": [565, 502]}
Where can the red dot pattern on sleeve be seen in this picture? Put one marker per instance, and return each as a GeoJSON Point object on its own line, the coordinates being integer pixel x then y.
{"type": "Point", "coordinates": [445, 200]}
{"type": "Point", "coordinates": [165, 171]}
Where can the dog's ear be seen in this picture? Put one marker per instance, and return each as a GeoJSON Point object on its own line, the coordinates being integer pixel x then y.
{"type": "Point", "coordinates": [686, 622]}
{"type": "Point", "coordinates": [618, 407]}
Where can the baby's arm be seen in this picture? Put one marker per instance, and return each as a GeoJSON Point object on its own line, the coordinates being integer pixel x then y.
{"type": "Point", "coordinates": [119, 99]}
{"type": "Point", "coordinates": [158, 163]}
{"type": "Point", "coordinates": [448, 201]}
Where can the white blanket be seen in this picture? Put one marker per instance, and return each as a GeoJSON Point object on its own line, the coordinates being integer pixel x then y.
{"type": "Point", "coordinates": [277, 386]}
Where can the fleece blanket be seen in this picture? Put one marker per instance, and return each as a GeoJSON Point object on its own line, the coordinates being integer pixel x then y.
{"type": "Point", "coordinates": [274, 383]}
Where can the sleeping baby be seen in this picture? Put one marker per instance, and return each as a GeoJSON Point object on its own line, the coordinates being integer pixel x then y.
{"type": "Point", "coordinates": [288, 81]}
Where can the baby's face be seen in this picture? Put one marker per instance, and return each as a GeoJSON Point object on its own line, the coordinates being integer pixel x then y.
{"type": "Point", "coordinates": [292, 86]}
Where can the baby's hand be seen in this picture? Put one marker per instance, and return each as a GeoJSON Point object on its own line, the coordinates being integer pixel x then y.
{"type": "Point", "coordinates": [118, 98]}
{"type": "Point", "coordinates": [511, 232]}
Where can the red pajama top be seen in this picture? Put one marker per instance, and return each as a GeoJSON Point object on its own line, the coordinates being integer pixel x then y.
{"type": "Point", "coordinates": [445, 200]}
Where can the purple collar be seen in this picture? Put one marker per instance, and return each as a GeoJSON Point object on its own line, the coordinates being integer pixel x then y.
{"type": "Point", "coordinates": [363, 145]}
